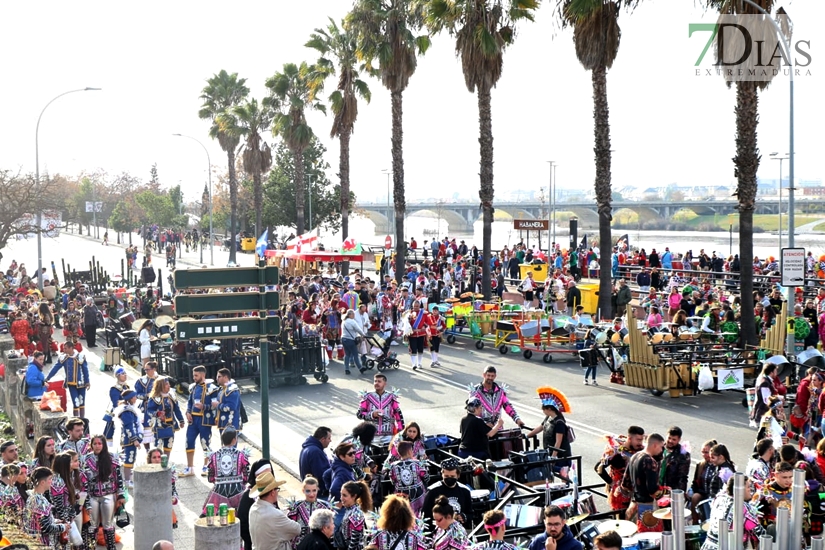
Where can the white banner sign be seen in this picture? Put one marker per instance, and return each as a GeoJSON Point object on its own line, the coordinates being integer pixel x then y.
{"type": "Point", "coordinates": [94, 206]}
{"type": "Point", "coordinates": [730, 379]}
{"type": "Point", "coordinates": [792, 266]}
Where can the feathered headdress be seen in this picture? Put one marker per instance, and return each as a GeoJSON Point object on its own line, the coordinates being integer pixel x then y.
{"type": "Point", "coordinates": [554, 397]}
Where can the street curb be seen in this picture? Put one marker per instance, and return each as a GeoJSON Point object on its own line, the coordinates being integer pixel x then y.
{"type": "Point", "coordinates": [282, 465]}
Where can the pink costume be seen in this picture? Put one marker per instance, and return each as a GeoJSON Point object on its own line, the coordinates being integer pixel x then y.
{"type": "Point", "coordinates": [453, 538]}
{"type": "Point", "coordinates": [228, 469]}
{"type": "Point", "coordinates": [492, 402]}
{"type": "Point", "coordinates": [300, 512]}
{"type": "Point", "coordinates": [390, 421]}
{"type": "Point", "coordinates": [411, 541]}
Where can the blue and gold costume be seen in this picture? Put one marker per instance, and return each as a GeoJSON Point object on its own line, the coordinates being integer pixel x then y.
{"type": "Point", "coordinates": [131, 433]}
{"type": "Point", "coordinates": [229, 406]}
{"type": "Point", "coordinates": [109, 418]}
{"type": "Point", "coordinates": [77, 379]}
{"type": "Point", "coordinates": [143, 388]}
{"type": "Point", "coordinates": [203, 417]}
{"type": "Point", "coordinates": [165, 419]}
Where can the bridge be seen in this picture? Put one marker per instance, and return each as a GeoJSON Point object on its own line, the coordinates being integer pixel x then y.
{"type": "Point", "coordinates": [460, 216]}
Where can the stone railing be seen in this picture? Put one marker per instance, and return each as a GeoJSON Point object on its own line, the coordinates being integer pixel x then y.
{"type": "Point", "coordinates": [25, 414]}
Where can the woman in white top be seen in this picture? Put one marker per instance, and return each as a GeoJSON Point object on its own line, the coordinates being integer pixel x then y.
{"type": "Point", "coordinates": [145, 343]}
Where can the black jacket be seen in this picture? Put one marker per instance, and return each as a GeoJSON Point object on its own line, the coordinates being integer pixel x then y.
{"type": "Point", "coordinates": [315, 540]}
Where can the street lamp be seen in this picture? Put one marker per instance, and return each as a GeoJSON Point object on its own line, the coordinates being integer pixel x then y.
{"type": "Point", "coordinates": [209, 172]}
{"type": "Point", "coordinates": [551, 199]}
{"type": "Point", "coordinates": [390, 213]}
{"type": "Point", "coordinates": [775, 156]}
{"type": "Point", "coordinates": [39, 215]}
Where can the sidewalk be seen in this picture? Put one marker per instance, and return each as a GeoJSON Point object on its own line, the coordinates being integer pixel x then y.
{"type": "Point", "coordinates": [193, 490]}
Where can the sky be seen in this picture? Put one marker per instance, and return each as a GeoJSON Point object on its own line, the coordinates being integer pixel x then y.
{"type": "Point", "coordinates": [152, 59]}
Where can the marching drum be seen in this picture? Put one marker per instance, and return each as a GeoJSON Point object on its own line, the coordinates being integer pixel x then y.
{"type": "Point", "coordinates": [617, 337]}
{"type": "Point", "coordinates": [623, 527]}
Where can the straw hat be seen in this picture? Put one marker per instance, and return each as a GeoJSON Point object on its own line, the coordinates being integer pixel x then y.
{"type": "Point", "coordinates": [265, 483]}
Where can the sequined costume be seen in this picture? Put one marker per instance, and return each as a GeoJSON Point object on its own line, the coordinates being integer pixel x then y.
{"type": "Point", "coordinates": [165, 419]}
{"type": "Point", "coordinates": [11, 503]}
{"type": "Point", "coordinates": [21, 332]}
{"type": "Point", "coordinates": [770, 498]}
{"type": "Point", "coordinates": [103, 496]}
{"type": "Point", "coordinates": [494, 545]}
{"type": "Point", "coordinates": [722, 508]}
{"type": "Point", "coordinates": [419, 451]}
{"type": "Point", "coordinates": [452, 538]}
{"type": "Point", "coordinates": [72, 321]}
{"type": "Point", "coordinates": [228, 469]}
{"type": "Point", "coordinates": [300, 511]}
{"type": "Point", "coordinates": [616, 456]}
{"type": "Point", "coordinates": [362, 458]}
{"type": "Point", "coordinates": [82, 447]}
{"type": "Point", "coordinates": [76, 379]}
{"type": "Point", "coordinates": [143, 388]}
{"type": "Point", "coordinates": [411, 540]}
{"type": "Point", "coordinates": [758, 471]}
{"type": "Point", "coordinates": [109, 417]}
{"type": "Point", "coordinates": [493, 401]}
{"type": "Point", "coordinates": [390, 420]}
{"type": "Point", "coordinates": [353, 526]}
{"type": "Point", "coordinates": [131, 433]}
{"type": "Point", "coordinates": [410, 478]}
{"type": "Point", "coordinates": [39, 522]}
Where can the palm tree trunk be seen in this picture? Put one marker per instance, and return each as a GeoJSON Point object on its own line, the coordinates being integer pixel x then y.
{"type": "Point", "coordinates": [258, 189]}
{"type": "Point", "coordinates": [343, 173]}
{"type": "Point", "coordinates": [298, 161]}
{"type": "Point", "coordinates": [747, 164]}
{"type": "Point", "coordinates": [233, 204]}
{"type": "Point", "coordinates": [398, 184]}
{"type": "Point", "coordinates": [486, 191]}
{"type": "Point", "coordinates": [601, 120]}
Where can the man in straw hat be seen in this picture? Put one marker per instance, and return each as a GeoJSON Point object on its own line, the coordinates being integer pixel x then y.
{"type": "Point", "coordinates": [268, 526]}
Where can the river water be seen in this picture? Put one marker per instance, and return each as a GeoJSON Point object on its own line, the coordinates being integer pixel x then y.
{"type": "Point", "coordinates": [421, 228]}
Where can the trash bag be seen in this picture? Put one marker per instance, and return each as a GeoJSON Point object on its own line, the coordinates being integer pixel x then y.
{"type": "Point", "coordinates": [705, 379]}
{"type": "Point", "coordinates": [102, 366]}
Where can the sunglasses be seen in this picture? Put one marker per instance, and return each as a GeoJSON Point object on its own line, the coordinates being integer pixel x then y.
{"type": "Point", "coordinates": [351, 453]}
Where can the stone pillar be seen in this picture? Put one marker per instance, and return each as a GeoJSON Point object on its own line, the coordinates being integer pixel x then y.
{"type": "Point", "coordinates": [217, 537]}
{"type": "Point", "coordinates": [152, 505]}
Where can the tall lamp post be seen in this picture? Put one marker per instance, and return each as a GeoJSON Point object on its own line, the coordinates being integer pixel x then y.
{"type": "Point", "coordinates": [209, 173]}
{"type": "Point", "coordinates": [390, 212]}
{"type": "Point", "coordinates": [775, 156]}
{"type": "Point", "coordinates": [39, 215]}
{"type": "Point", "coordinates": [551, 212]}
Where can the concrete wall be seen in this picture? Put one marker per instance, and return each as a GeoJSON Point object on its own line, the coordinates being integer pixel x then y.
{"type": "Point", "coordinates": [21, 410]}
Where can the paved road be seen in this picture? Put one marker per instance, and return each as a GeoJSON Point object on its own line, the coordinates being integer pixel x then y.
{"type": "Point", "coordinates": [434, 397]}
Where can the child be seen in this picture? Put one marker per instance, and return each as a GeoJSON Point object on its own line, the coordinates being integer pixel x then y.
{"type": "Point", "coordinates": [301, 510]}
{"type": "Point", "coordinates": [409, 476]}
{"type": "Point", "coordinates": [131, 432]}
{"type": "Point", "coordinates": [589, 357]}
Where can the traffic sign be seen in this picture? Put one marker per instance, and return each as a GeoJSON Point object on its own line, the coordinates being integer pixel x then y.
{"type": "Point", "coordinates": [228, 302]}
{"type": "Point", "coordinates": [792, 266]}
{"type": "Point", "coordinates": [224, 277]}
{"type": "Point", "coordinates": [221, 329]}
{"type": "Point", "coordinates": [388, 242]}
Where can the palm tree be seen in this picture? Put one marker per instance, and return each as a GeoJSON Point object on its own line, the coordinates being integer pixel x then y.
{"type": "Point", "coordinates": [483, 29]}
{"type": "Point", "coordinates": [386, 32]}
{"type": "Point", "coordinates": [292, 93]}
{"type": "Point", "coordinates": [337, 45]}
{"type": "Point", "coordinates": [222, 93]}
{"type": "Point", "coordinates": [251, 120]}
{"type": "Point", "coordinates": [747, 157]}
{"type": "Point", "coordinates": [596, 35]}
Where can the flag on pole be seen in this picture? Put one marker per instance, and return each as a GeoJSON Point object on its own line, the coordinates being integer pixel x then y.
{"type": "Point", "coordinates": [260, 246]}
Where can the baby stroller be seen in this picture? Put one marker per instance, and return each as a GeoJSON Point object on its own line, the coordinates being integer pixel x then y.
{"type": "Point", "coordinates": [379, 354]}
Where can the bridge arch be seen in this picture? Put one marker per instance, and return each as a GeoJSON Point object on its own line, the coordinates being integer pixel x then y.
{"type": "Point", "coordinates": [515, 213]}
{"type": "Point", "coordinates": [382, 222]}
{"type": "Point", "coordinates": [455, 223]}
